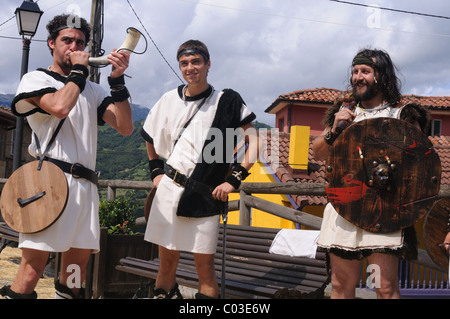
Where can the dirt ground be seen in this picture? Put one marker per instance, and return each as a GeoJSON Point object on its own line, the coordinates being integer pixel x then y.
{"type": "Point", "coordinates": [9, 264]}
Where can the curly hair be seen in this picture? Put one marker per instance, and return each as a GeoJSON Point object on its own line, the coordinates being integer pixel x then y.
{"type": "Point", "coordinates": [63, 21]}
{"type": "Point", "coordinates": [385, 70]}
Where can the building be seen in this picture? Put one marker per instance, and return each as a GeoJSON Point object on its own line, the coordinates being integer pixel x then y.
{"type": "Point", "coordinates": [307, 107]}
{"type": "Point", "coordinates": [7, 134]}
{"type": "Point", "coordinates": [298, 122]}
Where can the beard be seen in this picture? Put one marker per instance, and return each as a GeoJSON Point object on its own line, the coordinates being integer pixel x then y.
{"type": "Point", "coordinates": [370, 92]}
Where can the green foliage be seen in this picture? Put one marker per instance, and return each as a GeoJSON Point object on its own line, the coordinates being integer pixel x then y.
{"type": "Point", "coordinates": [118, 216]}
{"type": "Point", "coordinates": [122, 157]}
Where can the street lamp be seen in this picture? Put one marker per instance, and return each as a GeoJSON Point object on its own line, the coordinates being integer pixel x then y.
{"type": "Point", "coordinates": [27, 16]}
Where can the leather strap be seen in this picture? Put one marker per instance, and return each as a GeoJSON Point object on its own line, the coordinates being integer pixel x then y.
{"type": "Point", "coordinates": [52, 139]}
{"type": "Point", "coordinates": [76, 170]}
{"type": "Point", "coordinates": [182, 180]}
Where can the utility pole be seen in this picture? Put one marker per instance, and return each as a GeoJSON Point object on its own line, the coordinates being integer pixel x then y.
{"type": "Point", "coordinates": [95, 45]}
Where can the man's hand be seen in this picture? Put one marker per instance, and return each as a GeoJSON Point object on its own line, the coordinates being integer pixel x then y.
{"type": "Point", "coordinates": [79, 57]}
{"type": "Point", "coordinates": [119, 61]}
{"type": "Point", "coordinates": [447, 242]}
{"type": "Point", "coordinates": [157, 180]}
{"type": "Point", "coordinates": [221, 192]}
{"type": "Point", "coordinates": [345, 115]}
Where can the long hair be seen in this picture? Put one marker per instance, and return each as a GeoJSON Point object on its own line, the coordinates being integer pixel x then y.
{"type": "Point", "coordinates": [385, 71]}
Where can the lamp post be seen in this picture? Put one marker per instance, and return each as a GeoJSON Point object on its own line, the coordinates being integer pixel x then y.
{"type": "Point", "coordinates": [28, 16]}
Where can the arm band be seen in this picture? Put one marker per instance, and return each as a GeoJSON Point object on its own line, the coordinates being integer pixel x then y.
{"type": "Point", "coordinates": [237, 176]}
{"type": "Point", "coordinates": [78, 75]}
{"type": "Point", "coordinates": [156, 167]}
{"type": "Point", "coordinates": [119, 91]}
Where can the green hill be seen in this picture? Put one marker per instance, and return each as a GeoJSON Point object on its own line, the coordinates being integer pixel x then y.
{"type": "Point", "coordinates": [125, 157]}
{"type": "Point", "coordinates": [122, 157]}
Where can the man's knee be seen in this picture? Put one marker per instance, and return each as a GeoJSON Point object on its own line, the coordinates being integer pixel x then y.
{"type": "Point", "coordinates": [388, 290]}
{"type": "Point", "coordinates": [204, 262]}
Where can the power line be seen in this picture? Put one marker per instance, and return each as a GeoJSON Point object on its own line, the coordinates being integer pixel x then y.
{"type": "Point", "coordinates": [7, 20]}
{"type": "Point", "coordinates": [390, 9]}
{"type": "Point", "coordinates": [16, 38]}
{"type": "Point", "coordinates": [156, 46]}
{"type": "Point", "coordinates": [198, 2]}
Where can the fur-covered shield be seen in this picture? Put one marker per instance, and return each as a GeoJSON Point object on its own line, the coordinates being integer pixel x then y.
{"type": "Point", "coordinates": [383, 174]}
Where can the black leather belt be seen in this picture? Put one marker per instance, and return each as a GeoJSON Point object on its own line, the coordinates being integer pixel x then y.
{"type": "Point", "coordinates": [186, 182]}
{"type": "Point", "coordinates": [76, 170]}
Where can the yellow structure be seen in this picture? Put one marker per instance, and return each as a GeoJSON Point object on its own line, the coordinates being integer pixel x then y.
{"type": "Point", "coordinates": [299, 147]}
{"type": "Point", "coordinates": [298, 155]}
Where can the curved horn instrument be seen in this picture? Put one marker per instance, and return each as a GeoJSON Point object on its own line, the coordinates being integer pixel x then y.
{"type": "Point", "coordinates": [129, 44]}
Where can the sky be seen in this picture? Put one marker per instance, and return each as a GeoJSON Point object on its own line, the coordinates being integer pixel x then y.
{"type": "Point", "coordinates": [260, 48]}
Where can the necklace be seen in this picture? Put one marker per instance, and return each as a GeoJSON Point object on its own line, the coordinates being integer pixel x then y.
{"type": "Point", "coordinates": [379, 108]}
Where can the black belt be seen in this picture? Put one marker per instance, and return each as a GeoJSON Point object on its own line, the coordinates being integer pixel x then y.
{"type": "Point", "coordinates": [76, 170]}
{"type": "Point", "coordinates": [182, 180]}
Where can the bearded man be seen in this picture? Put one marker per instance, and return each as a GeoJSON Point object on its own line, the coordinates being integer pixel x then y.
{"type": "Point", "coordinates": [375, 92]}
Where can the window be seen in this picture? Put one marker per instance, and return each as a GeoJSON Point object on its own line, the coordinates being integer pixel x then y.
{"type": "Point", "coordinates": [436, 127]}
{"type": "Point", "coordinates": [281, 124]}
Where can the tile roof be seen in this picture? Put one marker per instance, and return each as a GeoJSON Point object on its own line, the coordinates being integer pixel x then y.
{"type": "Point", "coordinates": [316, 169]}
{"type": "Point", "coordinates": [442, 147]}
{"type": "Point", "coordinates": [328, 95]}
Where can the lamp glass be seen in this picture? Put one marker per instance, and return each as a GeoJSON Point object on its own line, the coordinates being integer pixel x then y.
{"type": "Point", "coordinates": [28, 16]}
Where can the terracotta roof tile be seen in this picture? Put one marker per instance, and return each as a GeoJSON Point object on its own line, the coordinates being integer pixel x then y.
{"type": "Point", "coordinates": [442, 147]}
{"type": "Point", "coordinates": [328, 95]}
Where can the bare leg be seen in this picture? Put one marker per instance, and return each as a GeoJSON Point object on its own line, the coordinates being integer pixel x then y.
{"type": "Point", "coordinates": [78, 258]}
{"type": "Point", "coordinates": [344, 277]}
{"type": "Point", "coordinates": [30, 270]}
{"type": "Point", "coordinates": [166, 278]}
{"type": "Point", "coordinates": [388, 266]}
{"type": "Point", "coordinates": [207, 279]}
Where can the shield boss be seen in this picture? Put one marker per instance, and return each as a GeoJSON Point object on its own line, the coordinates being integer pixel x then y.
{"type": "Point", "coordinates": [383, 174]}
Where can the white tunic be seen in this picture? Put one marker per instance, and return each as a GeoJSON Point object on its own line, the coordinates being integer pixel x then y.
{"type": "Point", "coordinates": [78, 226]}
{"type": "Point", "coordinates": [163, 124]}
{"type": "Point", "coordinates": [336, 231]}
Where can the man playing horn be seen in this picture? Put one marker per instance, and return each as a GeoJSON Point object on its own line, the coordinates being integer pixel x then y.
{"type": "Point", "coordinates": [46, 96]}
{"type": "Point", "coordinates": [375, 89]}
{"type": "Point", "coordinates": [192, 189]}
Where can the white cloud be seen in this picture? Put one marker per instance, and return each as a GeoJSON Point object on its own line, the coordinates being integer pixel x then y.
{"type": "Point", "coordinates": [261, 48]}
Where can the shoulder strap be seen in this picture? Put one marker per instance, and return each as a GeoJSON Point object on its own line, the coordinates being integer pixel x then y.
{"type": "Point", "coordinates": [52, 140]}
{"type": "Point", "coordinates": [189, 121]}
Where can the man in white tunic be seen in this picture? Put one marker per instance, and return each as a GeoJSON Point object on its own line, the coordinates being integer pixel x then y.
{"type": "Point", "coordinates": [46, 96]}
{"type": "Point", "coordinates": [375, 88]}
{"type": "Point", "coordinates": [188, 128]}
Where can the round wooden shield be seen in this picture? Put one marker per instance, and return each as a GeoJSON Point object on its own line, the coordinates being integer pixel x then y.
{"type": "Point", "coordinates": [148, 203]}
{"type": "Point", "coordinates": [33, 199]}
{"type": "Point", "coordinates": [383, 174]}
{"type": "Point", "coordinates": [435, 230]}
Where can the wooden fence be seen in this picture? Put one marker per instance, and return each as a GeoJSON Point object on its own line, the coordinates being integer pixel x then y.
{"type": "Point", "coordinates": [247, 201]}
